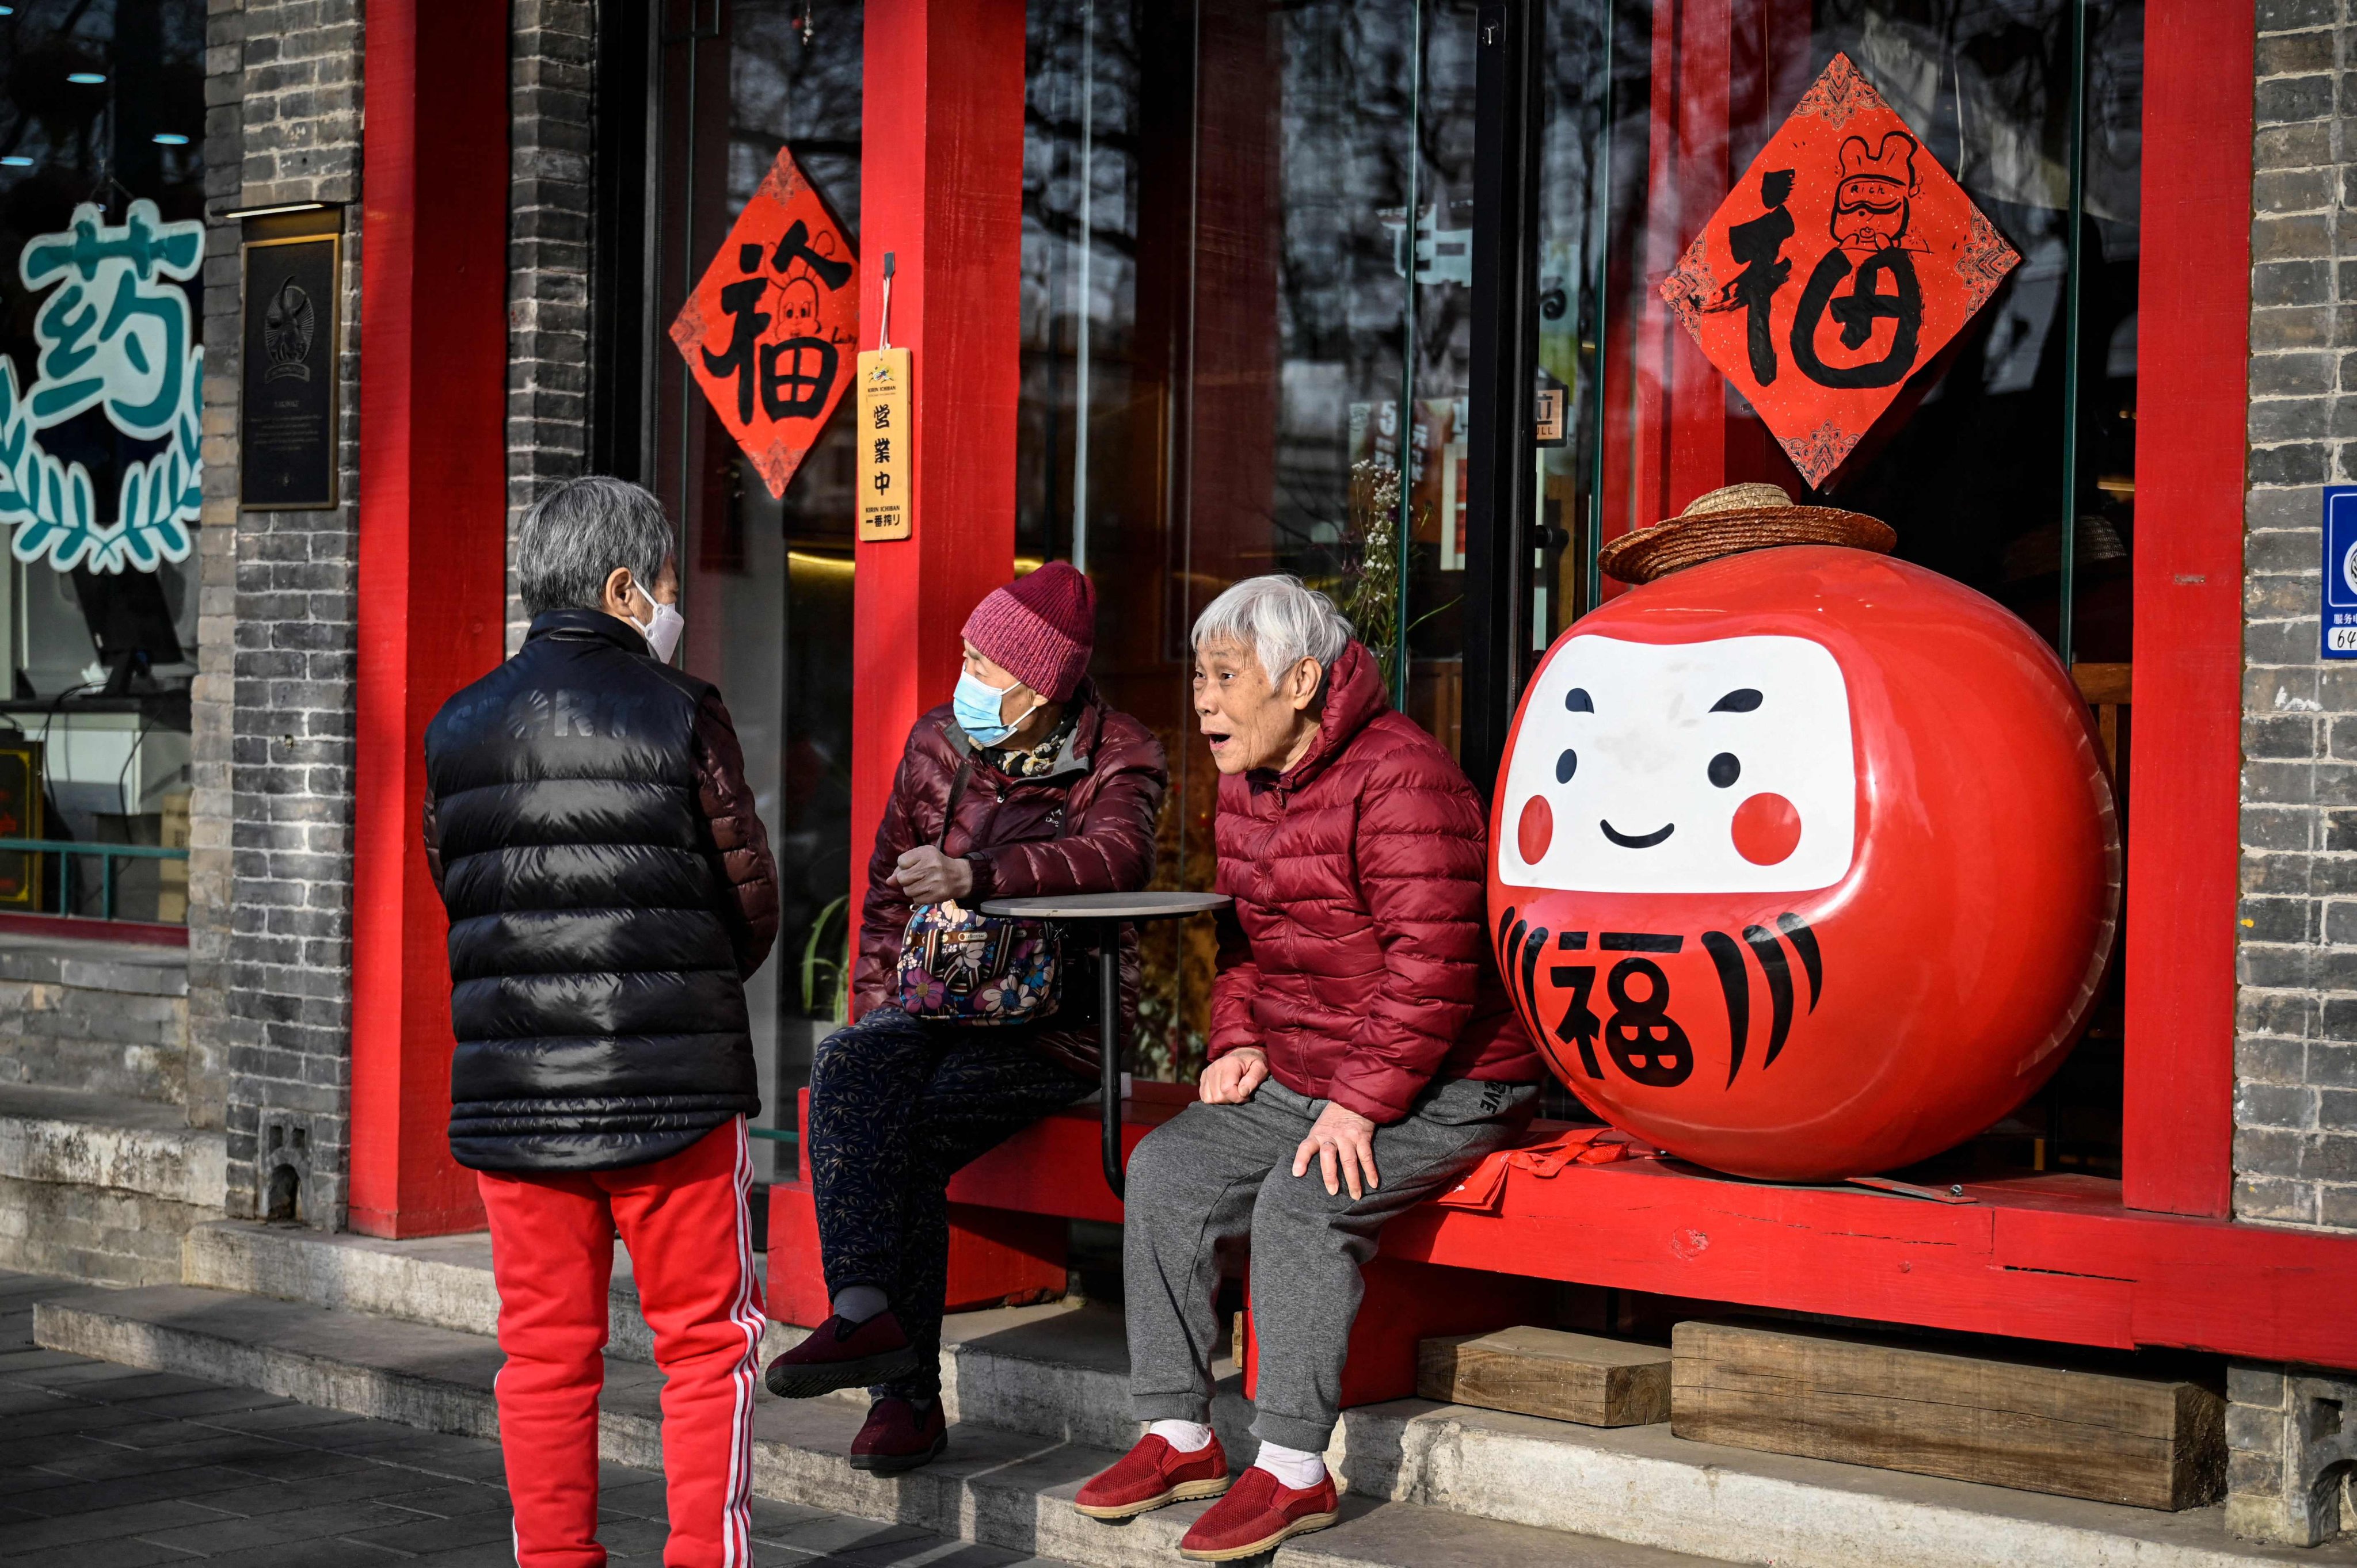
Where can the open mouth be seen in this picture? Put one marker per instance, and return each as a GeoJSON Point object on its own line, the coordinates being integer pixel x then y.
{"type": "Point", "coordinates": [1216, 738]}
{"type": "Point", "coordinates": [1637, 841]}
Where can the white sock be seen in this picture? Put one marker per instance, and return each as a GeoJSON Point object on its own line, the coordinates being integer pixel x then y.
{"type": "Point", "coordinates": [1291, 1467]}
{"type": "Point", "coordinates": [859, 1303]}
{"type": "Point", "coordinates": [1185, 1436]}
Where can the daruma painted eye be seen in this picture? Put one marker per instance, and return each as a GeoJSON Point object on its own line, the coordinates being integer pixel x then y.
{"type": "Point", "coordinates": [1725, 769]}
{"type": "Point", "coordinates": [1565, 765]}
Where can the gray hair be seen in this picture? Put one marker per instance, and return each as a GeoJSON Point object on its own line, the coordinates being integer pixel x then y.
{"type": "Point", "coordinates": [573, 538]}
{"type": "Point", "coordinates": [1281, 619]}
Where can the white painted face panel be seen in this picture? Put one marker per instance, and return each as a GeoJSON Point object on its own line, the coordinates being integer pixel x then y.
{"type": "Point", "coordinates": [1644, 754]}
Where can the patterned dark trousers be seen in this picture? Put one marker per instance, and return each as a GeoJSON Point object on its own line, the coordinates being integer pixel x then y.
{"type": "Point", "coordinates": [897, 1106]}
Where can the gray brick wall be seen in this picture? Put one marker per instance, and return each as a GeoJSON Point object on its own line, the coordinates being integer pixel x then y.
{"type": "Point", "coordinates": [2296, 1049]}
{"type": "Point", "coordinates": [271, 874]}
{"type": "Point", "coordinates": [210, 886]}
{"type": "Point", "coordinates": [548, 257]}
{"type": "Point", "coordinates": [87, 1017]}
{"type": "Point", "coordinates": [2295, 1105]}
{"type": "Point", "coordinates": [271, 962]}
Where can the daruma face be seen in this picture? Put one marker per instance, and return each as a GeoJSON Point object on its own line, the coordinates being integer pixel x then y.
{"type": "Point", "coordinates": [1713, 766]}
{"type": "Point", "coordinates": [1804, 862]}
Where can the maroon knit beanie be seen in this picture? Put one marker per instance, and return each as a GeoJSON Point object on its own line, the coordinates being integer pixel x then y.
{"type": "Point", "coordinates": [1039, 629]}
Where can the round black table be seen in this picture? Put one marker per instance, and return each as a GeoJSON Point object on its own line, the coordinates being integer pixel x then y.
{"type": "Point", "coordinates": [1102, 915]}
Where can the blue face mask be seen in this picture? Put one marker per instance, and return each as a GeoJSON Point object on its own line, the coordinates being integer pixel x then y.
{"type": "Point", "coordinates": [977, 705]}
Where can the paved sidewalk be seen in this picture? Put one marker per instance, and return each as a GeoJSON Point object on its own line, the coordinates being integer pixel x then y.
{"type": "Point", "coordinates": [107, 1467]}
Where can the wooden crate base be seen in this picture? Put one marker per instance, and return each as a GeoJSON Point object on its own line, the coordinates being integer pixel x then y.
{"type": "Point", "coordinates": [1545, 1371]}
{"type": "Point", "coordinates": [2153, 1442]}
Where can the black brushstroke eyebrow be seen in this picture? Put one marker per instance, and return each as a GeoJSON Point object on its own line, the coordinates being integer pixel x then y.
{"type": "Point", "coordinates": [1742, 700]}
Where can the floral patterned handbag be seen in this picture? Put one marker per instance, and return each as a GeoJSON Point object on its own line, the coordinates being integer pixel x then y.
{"type": "Point", "coordinates": [961, 966]}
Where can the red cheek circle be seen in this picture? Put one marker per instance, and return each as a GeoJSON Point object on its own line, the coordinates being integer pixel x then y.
{"type": "Point", "coordinates": [1536, 831]}
{"type": "Point", "coordinates": [1767, 830]}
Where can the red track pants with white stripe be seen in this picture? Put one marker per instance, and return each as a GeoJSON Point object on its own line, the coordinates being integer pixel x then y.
{"type": "Point", "coordinates": [690, 1244]}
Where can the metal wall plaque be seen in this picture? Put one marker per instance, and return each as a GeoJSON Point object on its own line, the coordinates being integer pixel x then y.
{"type": "Point", "coordinates": [287, 424]}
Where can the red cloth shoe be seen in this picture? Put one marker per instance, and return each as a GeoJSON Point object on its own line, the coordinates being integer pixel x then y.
{"type": "Point", "coordinates": [841, 1354]}
{"type": "Point", "coordinates": [898, 1437]}
{"type": "Point", "coordinates": [1151, 1475]}
{"type": "Point", "coordinates": [1258, 1514]}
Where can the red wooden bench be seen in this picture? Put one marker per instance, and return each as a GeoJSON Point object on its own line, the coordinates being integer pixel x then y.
{"type": "Point", "coordinates": [1007, 1215]}
{"type": "Point", "coordinates": [2052, 1257]}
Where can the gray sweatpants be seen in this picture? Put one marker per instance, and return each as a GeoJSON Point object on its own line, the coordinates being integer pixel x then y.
{"type": "Point", "coordinates": [1215, 1173]}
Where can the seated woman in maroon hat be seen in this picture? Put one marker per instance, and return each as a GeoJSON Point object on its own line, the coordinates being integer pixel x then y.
{"type": "Point", "coordinates": [1025, 783]}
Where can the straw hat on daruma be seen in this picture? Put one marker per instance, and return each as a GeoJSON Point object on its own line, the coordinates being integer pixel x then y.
{"type": "Point", "coordinates": [1731, 521]}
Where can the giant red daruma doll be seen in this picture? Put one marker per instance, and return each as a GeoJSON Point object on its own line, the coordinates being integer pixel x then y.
{"type": "Point", "coordinates": [1804, 860]}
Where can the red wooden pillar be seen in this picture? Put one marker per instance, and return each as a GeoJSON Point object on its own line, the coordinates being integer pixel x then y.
{"type": "Point", "coordinates": [2178, 1127]}
{"type": "Point", "coordinates": [432, 560]}
{"type": "Point", "coordinates": [942, 191]}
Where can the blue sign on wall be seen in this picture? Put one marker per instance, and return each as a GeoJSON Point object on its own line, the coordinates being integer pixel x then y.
{"type": "Point", "coordinates": [2341, 572]}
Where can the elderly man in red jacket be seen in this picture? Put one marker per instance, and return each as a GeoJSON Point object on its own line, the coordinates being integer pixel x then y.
{"type": "Point", "coordinates": [1364, 1057]}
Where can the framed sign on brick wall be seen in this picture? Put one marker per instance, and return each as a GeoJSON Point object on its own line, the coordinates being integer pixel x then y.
{"type": "Point", "coordinates": [288, 415]}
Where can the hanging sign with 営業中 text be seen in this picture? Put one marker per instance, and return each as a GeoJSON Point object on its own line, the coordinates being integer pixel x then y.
{"type": "Point", "coordinates": [883, 441]}
{"type": "Point", "coordinates": [1843, 261]}
{"type": "Point", "coordinates": [769, 330]}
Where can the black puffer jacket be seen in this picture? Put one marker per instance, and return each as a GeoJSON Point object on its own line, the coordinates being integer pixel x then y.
{"type": "Point", "coordinates": [609, 887]}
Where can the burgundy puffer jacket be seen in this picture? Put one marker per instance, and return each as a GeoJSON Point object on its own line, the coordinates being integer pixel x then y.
{"type": "Point", "coordinates": [1356, 956]}
{"type": "Point", "coordinates": [1084, 826]}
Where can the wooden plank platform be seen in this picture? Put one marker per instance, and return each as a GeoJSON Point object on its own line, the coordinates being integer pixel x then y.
{"type": "Point", "coordinates": [1546, 1372]}
{"type": "Point", "coordinates": [2148, 1441]}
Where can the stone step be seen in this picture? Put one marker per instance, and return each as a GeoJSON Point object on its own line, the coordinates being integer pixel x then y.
{"type": "Point", "coordinates": [1480, 1471]}
{"type": "Point", "coordinates": [1034, 1369]}
{"type": "Point", "coordinates": [993, 1486]}
{"type": "Point", "coordinates": [113, 1141]}
{"type": "Point", "coordinates": [1060, 1372]}
{"type": "Point", "coordinates": [101, 1187]}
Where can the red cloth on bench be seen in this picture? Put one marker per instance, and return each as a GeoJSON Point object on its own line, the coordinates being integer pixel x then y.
{"type": "Point", "coordinates": [1544, 1153]}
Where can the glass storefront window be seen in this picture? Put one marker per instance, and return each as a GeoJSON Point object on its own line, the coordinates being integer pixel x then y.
{"type": "Point", "coordinates": [1653, 114]}
{"type": "Point", "coordinates": [2008, 461]}
{"type": "Point", "coordinates": [1256, 339]}
{"type": "Point", "coordinates": [101, 119]}
{"type": "Point", "coordinates": [1246, 323]}
{"type": "Point", "coordinates": [764, 580]}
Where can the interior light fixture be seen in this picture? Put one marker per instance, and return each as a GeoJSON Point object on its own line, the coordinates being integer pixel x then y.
{"type": "Point", "coordinates": [85, 78]}
{"type": "Point", "coordinates": [17, 160]}
{"type": "Point", "coordinates": [169, 139]}
{"type": "Point", "coordinates": [275, 211]}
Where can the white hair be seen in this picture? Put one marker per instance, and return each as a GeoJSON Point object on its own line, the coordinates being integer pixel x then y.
{"type": "Point", "coordinates": [1281, 619]}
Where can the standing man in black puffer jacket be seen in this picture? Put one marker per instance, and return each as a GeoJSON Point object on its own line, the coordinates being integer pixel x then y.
{"type": "Point", "coordinates": [609, 888]}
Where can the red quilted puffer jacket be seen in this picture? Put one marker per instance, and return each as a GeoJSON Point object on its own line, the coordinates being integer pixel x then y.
{"type": "Point", "coordinates": [1084, 826]}
{"type": "Point", "coordinates": [1357, 956]}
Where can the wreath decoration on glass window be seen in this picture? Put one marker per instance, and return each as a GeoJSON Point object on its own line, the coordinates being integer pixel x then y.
{"type": "Point", "coordinates": [116, 334]}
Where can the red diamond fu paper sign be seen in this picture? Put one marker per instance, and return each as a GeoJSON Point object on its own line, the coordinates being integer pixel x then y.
{"type": "Point", "coordinates": [1845, 260]}
{"type": "Point", "coordinates": [771, 331]}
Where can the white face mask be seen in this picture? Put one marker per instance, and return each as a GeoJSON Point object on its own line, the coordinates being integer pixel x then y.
{"type": "Point", "coordinates": [661, 632]}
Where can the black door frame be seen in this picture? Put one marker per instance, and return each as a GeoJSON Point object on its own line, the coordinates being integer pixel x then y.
{"type": "Point", "coordinates": [1502, 540]}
